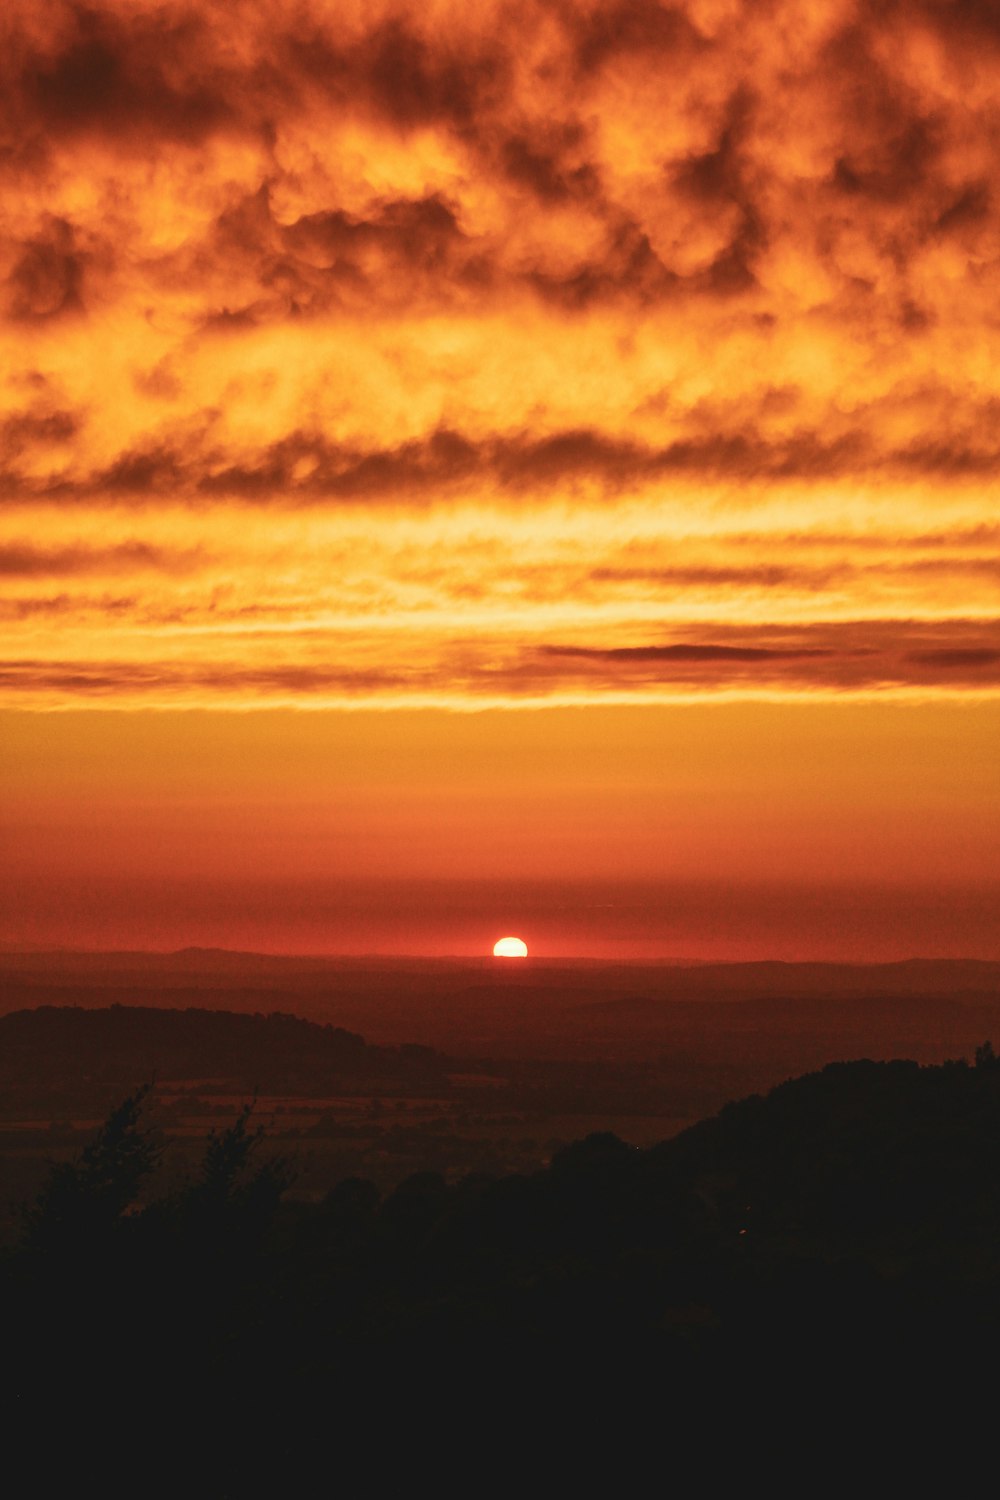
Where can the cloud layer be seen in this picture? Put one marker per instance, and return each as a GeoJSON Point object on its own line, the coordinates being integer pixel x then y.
{"type": "Point", "coordinates": [511, 351]}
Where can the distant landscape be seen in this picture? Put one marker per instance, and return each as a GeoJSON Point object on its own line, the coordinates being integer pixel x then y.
{"type": "Point", "coordinates": [382, 1068]}
{"type": "Point", "coordinates": [296, 1237]}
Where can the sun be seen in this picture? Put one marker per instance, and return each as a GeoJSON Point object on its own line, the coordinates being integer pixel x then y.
{"type": "Point", "coordinates": [510, 947]}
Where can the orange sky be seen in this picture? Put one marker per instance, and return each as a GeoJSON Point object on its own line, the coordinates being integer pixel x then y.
{"type": "Point", "coordinates": [587, 410]}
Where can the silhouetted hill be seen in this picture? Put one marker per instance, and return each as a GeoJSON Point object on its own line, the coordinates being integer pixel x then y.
{"type": "Point", "coordinates": [112, 1048]}
{"type": "Point", "coordinates": [857, 1156]}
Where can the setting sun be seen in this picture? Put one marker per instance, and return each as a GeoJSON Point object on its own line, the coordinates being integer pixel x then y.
{"type": "Point", "coordinates": [510, 947]}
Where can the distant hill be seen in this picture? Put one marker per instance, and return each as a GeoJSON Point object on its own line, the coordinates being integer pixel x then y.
{"type": "Point", "coordinates": [118, 1046]}
{"type": "Point", "coordinates": [544, 1008]}
{"type": "Point", "coordinates": [221, 969]}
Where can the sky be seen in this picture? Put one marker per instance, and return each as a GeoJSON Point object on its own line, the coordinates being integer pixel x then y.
{"type": "Point", "coordinates": [517, 461]}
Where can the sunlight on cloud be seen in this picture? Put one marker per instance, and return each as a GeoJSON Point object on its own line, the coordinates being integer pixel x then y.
{"type": "Point", "coordinates": [497, 355]}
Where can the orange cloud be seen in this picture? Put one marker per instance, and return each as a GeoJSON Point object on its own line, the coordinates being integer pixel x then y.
{"type": "Point", "coordinates": [514, 352]}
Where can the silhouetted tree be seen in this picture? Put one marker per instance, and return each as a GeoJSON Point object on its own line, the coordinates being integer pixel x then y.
{"type": "Point", "coordinates": [234, 1195]}
{"type": "Point", "coordinates": [84, 1199]}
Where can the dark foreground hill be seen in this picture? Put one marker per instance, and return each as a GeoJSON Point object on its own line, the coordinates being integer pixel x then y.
{"type": "Point", "coordinates": [838, 1240]}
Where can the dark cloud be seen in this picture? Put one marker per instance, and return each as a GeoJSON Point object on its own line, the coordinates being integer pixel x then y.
{"type": "Point", "coordinates": [226, 320]}
{"type": "Point", "coordinates": [794, 576]}
{"type": "Point", "coordinates": [853, 656]}
{"type": "Point", "coordinates": [619, 462]}
{"type": "Point", "coordinates": [982, 535]}
{"type": "Point", "coordinates": [606, 31]}
{"type": "Point", "coordinates": [170, 73]}
{"type": "Point", "coordinates": [307, 468]}
{"type": "Point", "coordinates": [959, 657]}
{"type": "Point", "coordinates": [25, 560]}
{"type": "Point", "coordinates": [976, 20]}
{"type": "Point", "coordinates": [421, 231]}
{"type": "Point", "coordinates": [957, 458]}
{"type": "Point", "coordinates": [113, 677]}
{"type": "Point", "coordinates": [412, 82]}
{"type": "Point", "coordinates": [762, 576]}
{"type": "Point", "coordinates": [64, 605]}
{"type": "Point", "coordinates": [899, 166]}
{"type": "Point", "coordinates": [971, 567]}
{"type": "Point", "coordinates": [972, 206]}
{"type": "Point", "coordinates": [148, 80]}
{"type": "Point", "coordinates": [350, 474]}
{"type": "Point", "coordinates": [401, 250]}
{"type": "Point", "coordinates": [27, 608]}
{"type": "Point", "coordinates": [36, 428]}
{"type": "Point", "coordinates": [684, 653]}
{"type": "Point", "coordinates": [120, 74]}
{"type": "Point", "coordinates": [539, 163]}
{"type": "Point", "coordinates": [47, 278]}
{"type": "Point", "coordinates": [397, 73]}
{"type": "Point", "coordinates": [717, 180]}
{"type": "Point", "coordinates": [629, 267]}
{"type": "Point", "coordinates": [159, 469]}
{"type": "Point", "coordinates": [405, 237]}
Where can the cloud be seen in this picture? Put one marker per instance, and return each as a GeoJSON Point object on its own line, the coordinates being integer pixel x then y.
{"type": "Point", "coordinates": [151, 680]}
{"type": "Point", "coordinates": [848, 656]}
{"type": "Point", "coordinates": [684, 653]}
{"type": "Point", "coordinates": [699, 153]}
{"type": "Point", "coordinates": [424, 666]}
{"type": "Point", "coordinates": [692, 305]}
{"type": "Point", "coordinates": [63, 606]}
{"type": "Point", "coordinates": [46, 280]}
{"type": "Point", "coordinates": [306, 466]}
{"type": "Point", "coordinates": [958, 658]}
{"type": "Point", "coordinates": [105, 71]}
{"type": "Point", "coordinates": [36, 428]}
{"type": "Point", "coordinates": [25, 560]}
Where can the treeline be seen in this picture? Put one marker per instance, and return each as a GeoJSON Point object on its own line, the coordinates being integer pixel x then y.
{"type": "Point", "coordinates": [850, 1221]}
